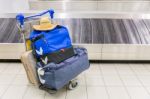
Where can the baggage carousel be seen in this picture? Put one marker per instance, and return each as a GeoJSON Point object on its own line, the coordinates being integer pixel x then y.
{"type": "Point", "coordinates": [107, 36]}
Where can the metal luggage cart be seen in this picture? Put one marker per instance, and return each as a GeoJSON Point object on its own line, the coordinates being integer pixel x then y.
{"type": "Point", "coordinates": [25, 26]}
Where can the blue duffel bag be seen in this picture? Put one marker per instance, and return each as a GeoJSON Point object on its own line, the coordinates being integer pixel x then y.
{"type": "Point", "coordinates": [45, 42]}
{"type": "Point", "coordinates": [55, 76]}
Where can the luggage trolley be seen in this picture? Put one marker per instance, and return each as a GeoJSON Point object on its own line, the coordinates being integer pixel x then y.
{"type": "Point", "coordinates": [24, 25]}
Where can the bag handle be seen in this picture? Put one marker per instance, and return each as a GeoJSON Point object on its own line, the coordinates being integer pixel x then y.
{"type": "Point", "coordinates": [21, 18]}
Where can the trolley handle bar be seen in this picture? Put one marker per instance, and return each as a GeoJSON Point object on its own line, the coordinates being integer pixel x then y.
{"type": "Point", "coordinates": [20, 17]}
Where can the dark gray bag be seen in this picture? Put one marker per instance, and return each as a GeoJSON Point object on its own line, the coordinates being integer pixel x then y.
{"type": "Point", "coordinates": [55, 76]}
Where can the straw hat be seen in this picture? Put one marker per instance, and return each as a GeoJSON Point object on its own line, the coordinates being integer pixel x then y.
{"type": "Point", "coordinates": [45, 24]}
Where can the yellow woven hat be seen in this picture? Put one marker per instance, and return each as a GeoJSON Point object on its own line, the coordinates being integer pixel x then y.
{"type": "Point", "coordinates": [45, 24]}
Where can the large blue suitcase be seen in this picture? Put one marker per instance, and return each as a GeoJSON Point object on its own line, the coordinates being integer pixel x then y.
{"type": "Point", "coordinates": [55, 76]}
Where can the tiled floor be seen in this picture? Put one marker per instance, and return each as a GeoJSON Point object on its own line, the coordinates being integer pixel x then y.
{"type": "Point", "coordinates": [101, 81]}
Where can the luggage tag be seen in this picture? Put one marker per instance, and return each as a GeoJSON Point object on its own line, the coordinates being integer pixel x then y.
{"type": "Point", "coordinates": [28, 44]}
{"type": "Point", "coordinates": [41, 73]}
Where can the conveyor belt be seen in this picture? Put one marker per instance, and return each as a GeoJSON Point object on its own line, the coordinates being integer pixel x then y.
{"type": "Point", "coordinates": [9, 32]}
{"type": "Point", "coordinates": [90, 31]}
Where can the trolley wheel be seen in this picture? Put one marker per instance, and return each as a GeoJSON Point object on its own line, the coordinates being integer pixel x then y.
{"type": "Point", "coordinates": [50, 91]}
{"type": "Point", "coordinates": [73, 84]}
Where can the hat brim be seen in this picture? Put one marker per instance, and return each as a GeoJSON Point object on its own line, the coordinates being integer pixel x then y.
{"type": "Point", "coordinates": [44, 27]}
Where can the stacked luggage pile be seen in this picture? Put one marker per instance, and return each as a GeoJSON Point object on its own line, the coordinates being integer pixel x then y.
{"type": "Point", "coordinates": [51, 61]}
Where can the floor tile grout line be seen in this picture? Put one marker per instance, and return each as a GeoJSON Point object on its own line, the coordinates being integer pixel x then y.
{"type": "Point", "coordinates": [122, 81]}
{"type": "Point", "coordinates": [10, 82]}
{"type": "Point", "coordinates": [146, 68]}
{"type": "Point", "coordinates": [86, 86]}
{"type": "Point", "coordinates": [5, 68]}
{"type": "Point", "coordinates": [4, 91]}
{"type": "Point", "coordinates": [44, 95]}
{"type": "Point", "coordinates": [17, 74]}
{"type": "Point", "coordinates": [2, 72]}
{"type": "Point", "coordinates": [14, 79]}
{"type": "Point", "coordinates": [45, 92]}
{"type": "Point", "coordinates": [66, 93]}
{"type": "Point", "coordinates": [25, 92]}
{"type": "Point", "coordinates": [9, 85]}
{"type": "Point", "coordinates": [104, 81]}
{"type": "Point", "coordinates": [140, 80]}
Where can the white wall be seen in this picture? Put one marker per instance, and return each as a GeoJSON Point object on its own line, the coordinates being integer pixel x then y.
{"type": "Point", "coordinates": [7, 6]}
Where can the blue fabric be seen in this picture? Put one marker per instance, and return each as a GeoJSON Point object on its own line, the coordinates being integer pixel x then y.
{"type": "Point", "coordinates": [52, 40]}
{"type": "Point", "coordinates": [58, 75]}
